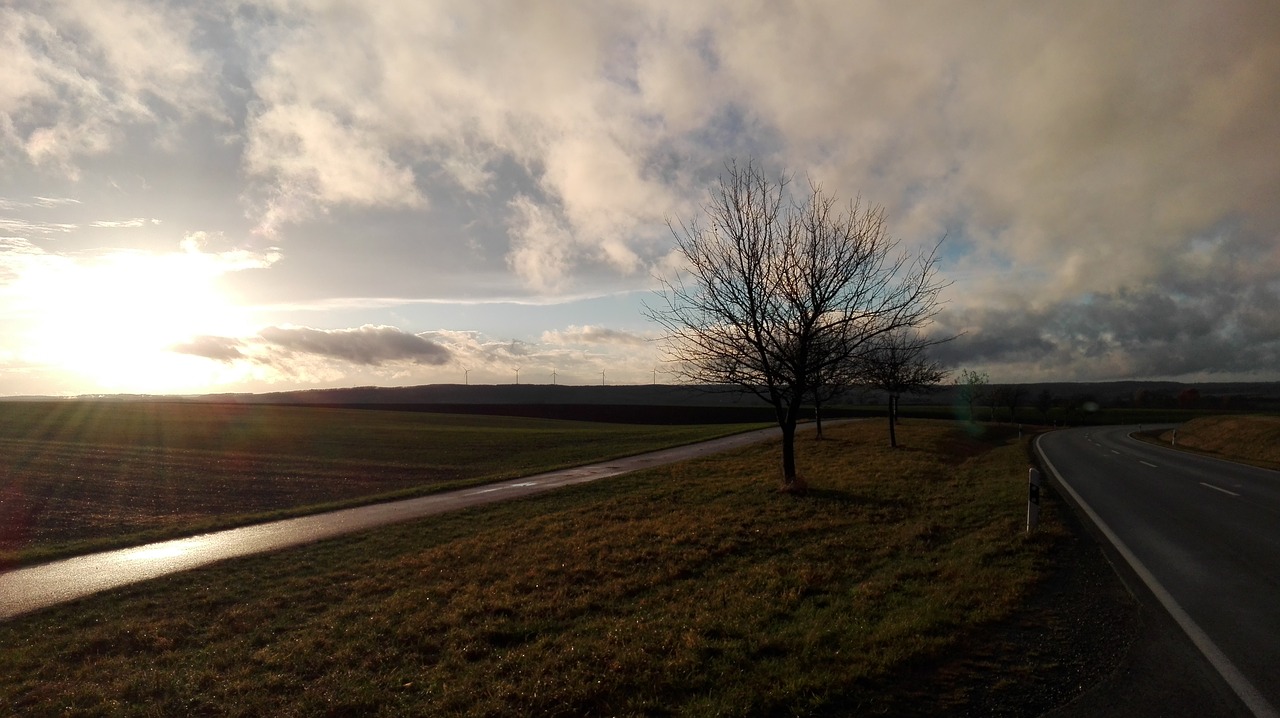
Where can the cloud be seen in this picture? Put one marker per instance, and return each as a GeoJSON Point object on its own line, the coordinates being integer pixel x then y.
{"type": "Point", "coordinates": [543, 249]}
{"type": "Point", "coordinates": [1051, 139]}
{"type": "Point", "coordinates": [461, 92]}
{"type": "Point", "coordinates": [315, 159]}
{"type": "Point", "coordinates": [13, 226]}
{"type": "Point", "coordinates": [1094, 166]}
{"type": "Point", "coordinates": [593, 335]}
{"type": "Point", "coordinates": [123, 223]}
{"type": "Point", "coordinates": [23, 225]}
{"type": "Point", "coordinates": [368, 345]}
{"type": "Point", "coordinates": [223, 349]}
{"type": "Point", "coordinates": [8, 204]}
{"type": "Point", "coordinates": [17, 254]}
{"type": "Point", "coordinates": [490, 360]}
{"type": "Point", "coordinates": [78, 74]}
{"type": "Point", "coordinates": [215, 248]}
{"type": "Point", "coordinates": [1159, 334]}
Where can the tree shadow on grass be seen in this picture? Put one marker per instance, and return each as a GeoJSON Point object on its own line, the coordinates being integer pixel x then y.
{"type": "Point", "coordinates": [850, 498]}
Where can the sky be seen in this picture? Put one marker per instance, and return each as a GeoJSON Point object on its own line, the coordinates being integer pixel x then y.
{"type": "Point", "coordinates": [225, 196]}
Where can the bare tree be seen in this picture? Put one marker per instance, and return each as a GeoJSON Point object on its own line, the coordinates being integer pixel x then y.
{"type": "Point", "coordinates": [897, 364]}
{"type": "Point", "coordinates": [972, 386]}
{"type": "Point", "coordinates": [830, 380]}
{"type": "Point", "coordinates": [776, 291]}
{"type": "Point", "coordinates": [1014, 395]}
{"type": "Point", "coordinates": [1044, 403]}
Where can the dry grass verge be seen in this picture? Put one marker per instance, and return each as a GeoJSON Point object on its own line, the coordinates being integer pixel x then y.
{"type": "Point", "coordinates": [1249, 439]}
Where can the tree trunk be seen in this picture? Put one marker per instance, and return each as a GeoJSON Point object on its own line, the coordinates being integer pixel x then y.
{"type": "Point", "coordinates": [789, 452]}
{"type": "Point", "coordinates": [893, 419]}
{"type": "Point", "coordinates": [817, 412]}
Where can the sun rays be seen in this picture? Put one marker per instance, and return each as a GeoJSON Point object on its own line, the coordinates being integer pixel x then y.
{"type": "Point", "coordinates": [114, 318]}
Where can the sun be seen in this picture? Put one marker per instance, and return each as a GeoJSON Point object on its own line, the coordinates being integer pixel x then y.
{"type": "Point", "coordinates": [111, 321]}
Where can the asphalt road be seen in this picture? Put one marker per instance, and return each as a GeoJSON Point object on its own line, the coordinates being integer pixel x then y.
{"type": "Point", "coordinates": [29, 589]}
{"type": "Point", "coordinates": [1202, 534]}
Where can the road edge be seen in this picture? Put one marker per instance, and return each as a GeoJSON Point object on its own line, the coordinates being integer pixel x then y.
{"type": "Point", "coordinates": [1243, 689]}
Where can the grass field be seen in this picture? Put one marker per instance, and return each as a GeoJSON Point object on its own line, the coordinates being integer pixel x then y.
{"type": "Point", "coordinates": [1251, 439]}
{"type": "Point", "coordinates": [694, 589]}
{"type": "Point", "coordinates": [80, 476]}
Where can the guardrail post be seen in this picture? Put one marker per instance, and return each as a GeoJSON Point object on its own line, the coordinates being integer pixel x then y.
{"type": "Point", "coordinates": [1033, 500]}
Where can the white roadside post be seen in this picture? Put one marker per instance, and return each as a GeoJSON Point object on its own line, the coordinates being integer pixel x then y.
{"type": "Point", "coordinates": [1033, 500]}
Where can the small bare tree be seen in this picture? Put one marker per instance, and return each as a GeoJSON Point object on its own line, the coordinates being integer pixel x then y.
{"type": "Point", "coordinates": [972, 386]}
{"type": "Point", "coordinates": [1013, 396]}
{"type": "Point", "coordinates": [898, 364]}
{"type": "Point", "coordinates": [1044, 403]}
{"type": "Point", "coordinates": [830, 380]}
{"type": "Point", "coordinates": [776, 291]}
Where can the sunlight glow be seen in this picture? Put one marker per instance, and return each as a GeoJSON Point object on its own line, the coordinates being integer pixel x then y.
{"type": "Point", "coordinates": [112, 319]}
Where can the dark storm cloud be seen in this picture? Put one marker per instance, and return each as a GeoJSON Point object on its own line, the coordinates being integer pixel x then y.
{"type": "Point", "coordinates": [368, 345]}
{"type": "Point", "coordinates": [1227, 329]}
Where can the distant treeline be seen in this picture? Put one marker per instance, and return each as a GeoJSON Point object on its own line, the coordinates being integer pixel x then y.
{"type": "Point", "coordinates": [614, 413]}
{"type": "Point", "coordinates": [1064, 395]}
{"type": "Point", "coordinates": [1068, 396]}
{"type": "Point", "coordinates": [1043, 403]}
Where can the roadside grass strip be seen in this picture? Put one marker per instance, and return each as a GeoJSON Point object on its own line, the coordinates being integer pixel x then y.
{"type": "Point", "coordinates": [1249, 439]}
{"type": "Point", "coordinates": [692, 589]}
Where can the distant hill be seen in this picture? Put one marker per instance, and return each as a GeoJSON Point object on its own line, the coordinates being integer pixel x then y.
{"type": "Point", "coordinates": [651, 404]}
{"type": "Point", "coordinates": [720, 403]}
{"type": "Point", "coordinates": [637, 395]}
{"type": "Point", "coordinates": [1264, 396]}
{"type": "Point", "coordinates": [1260, 396]}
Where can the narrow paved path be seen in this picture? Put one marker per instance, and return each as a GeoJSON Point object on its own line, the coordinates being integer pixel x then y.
{"type": "Point", "coordinates": [29, 589]}
{"type": "Point", "coordinates": [1201, 533]}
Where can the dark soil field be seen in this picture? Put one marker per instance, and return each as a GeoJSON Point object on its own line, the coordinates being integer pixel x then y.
{"type": "Point", "coordinates": [78, 476]}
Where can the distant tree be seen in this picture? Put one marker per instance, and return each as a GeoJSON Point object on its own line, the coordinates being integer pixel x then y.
{"type": "Point", "coordinates": [1069, 404]}
{"type": "Point", "coordinates": [995, 397]}
{"type": "Point", "coordinates": [831, 379]}
{"type": "Point", "coordinates": [898, 364]}
{"type": "Point", "coordinates": [778, 291]}
{"type": "Point", "coordinates": [1235, 402]}
{"type": "Point", "coordinates": [1189, 398]}
{"type": "Point", "coordinates": [1013, 395]}
{"type": "Point", "coordinates": [1151, 399]}
{"type": "Point", "coordinates": [972, 387]}
{"type": "Point", "coordinates": [1078, 404]}
{"type": "Point", "coordinates": [1044, 403]}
